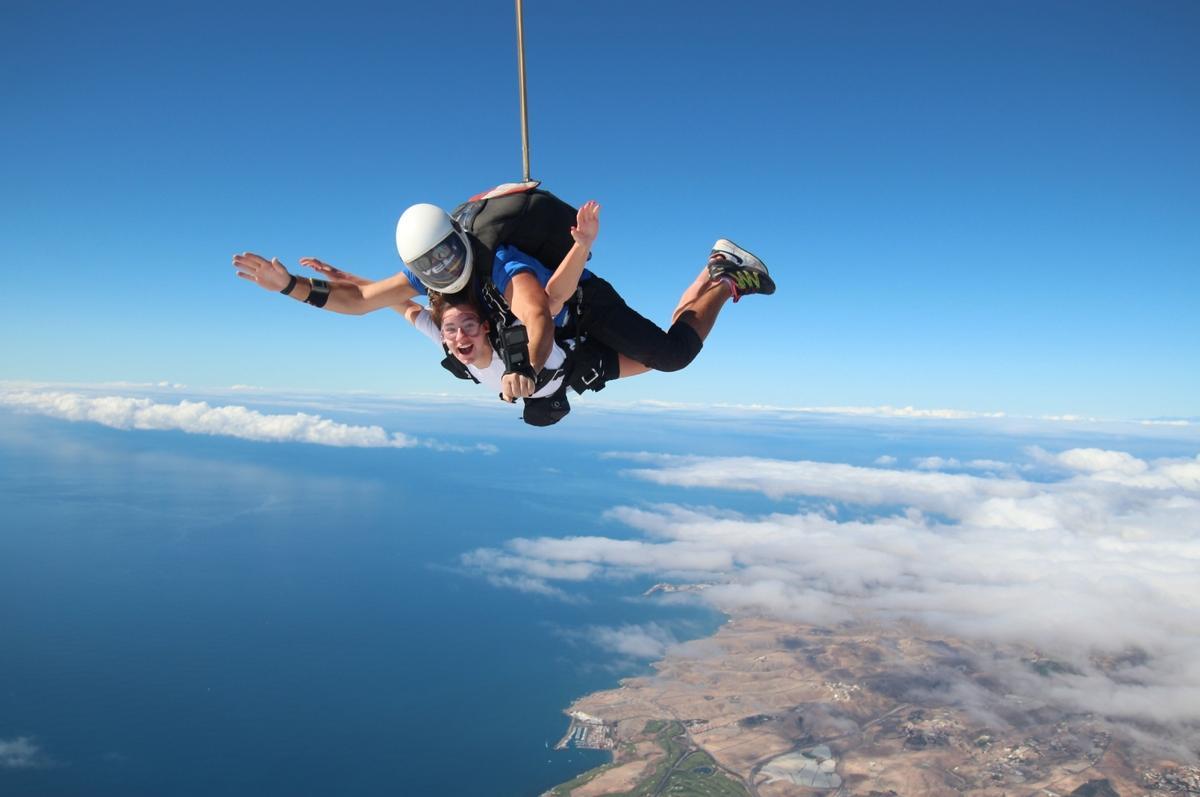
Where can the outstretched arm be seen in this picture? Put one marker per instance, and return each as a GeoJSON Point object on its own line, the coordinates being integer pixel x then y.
{"type": "Point", "coordinates": [344, 297]}
{"type": "Point", "coordinates": [565, 279]}
{"type": "Point", "coordinates": [409, 309]}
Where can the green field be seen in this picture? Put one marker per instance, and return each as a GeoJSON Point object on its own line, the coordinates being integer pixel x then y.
{"type": "Point", "coordinates": [683, 772]}
{"type": "Point", "coordinates": [565, 789]}
{"type": "Point", "coordinates": [697, 776]}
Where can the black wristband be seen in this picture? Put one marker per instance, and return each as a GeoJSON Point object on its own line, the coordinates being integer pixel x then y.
{"type": "Point", "coordinates": [290, 286]}
{"type": "Point", "coordinates": [319, 293]}
{"type": "Point", "coordinates": [524, 370]}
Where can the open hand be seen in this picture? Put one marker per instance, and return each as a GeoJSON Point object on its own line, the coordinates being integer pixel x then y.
{"type": "Point", "coordinates": [587, 224]}
{"type": "Point", "coordinates": [267, 274]}
{"type": "Point", "coordinates": [333, 273]}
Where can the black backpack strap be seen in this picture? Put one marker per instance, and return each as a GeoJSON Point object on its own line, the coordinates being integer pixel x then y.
{"type": "Point", "coordinates": [495, 305]}
{"type": "Point", "coordinates": [454, 366]}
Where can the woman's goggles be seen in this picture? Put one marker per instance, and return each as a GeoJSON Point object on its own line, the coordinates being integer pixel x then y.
{"type": "Point", "coordinates": [469, 327]}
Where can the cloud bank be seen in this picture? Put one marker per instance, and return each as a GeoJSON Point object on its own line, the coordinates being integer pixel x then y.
{"type": "Point", "coordinates": [645, 641]}
{"type": "Point", "coordinates": [627, 647]}
{"type": "Point", "coordinates": [888, 411]}
{"type": "Point", "coordinates": [21, 753]}
{"type": "Point", "coordinates": [1095, 564]}
{"type": "Point", "coordinates": [199, 417]}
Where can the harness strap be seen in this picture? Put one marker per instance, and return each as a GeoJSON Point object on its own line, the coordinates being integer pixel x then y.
{"type": "Point", "coordinates": [547, 376]}
{"type": "Point", "coordinates": [454, 366]}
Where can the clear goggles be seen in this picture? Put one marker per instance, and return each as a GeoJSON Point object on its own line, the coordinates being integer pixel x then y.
{"type": "Point", "coordinates": [469, 326]}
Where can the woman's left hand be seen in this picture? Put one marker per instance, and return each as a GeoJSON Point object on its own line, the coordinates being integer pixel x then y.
{"type": "Point", "coordinates": [587, 224]}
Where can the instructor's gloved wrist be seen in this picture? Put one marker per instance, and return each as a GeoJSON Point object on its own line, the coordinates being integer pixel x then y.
{"type": "Point", "coordinates": [523, 370]}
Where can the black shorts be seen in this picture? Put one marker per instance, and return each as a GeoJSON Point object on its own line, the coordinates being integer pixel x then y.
{"type": "Point", "coordinates": [605, 318]}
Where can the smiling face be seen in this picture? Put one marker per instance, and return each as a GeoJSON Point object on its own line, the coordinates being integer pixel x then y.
{"type": "Point", "coordinates": [466, 335]}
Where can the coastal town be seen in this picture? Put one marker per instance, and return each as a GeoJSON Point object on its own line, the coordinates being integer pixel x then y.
{"type": "Point", "coordinates": [587, 732]}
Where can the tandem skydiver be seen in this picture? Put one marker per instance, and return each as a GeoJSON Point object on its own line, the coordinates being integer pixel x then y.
{"type": "Point", "coordinates": [517, 228]}
{"type": "Point", "coordinates": [459, 326]}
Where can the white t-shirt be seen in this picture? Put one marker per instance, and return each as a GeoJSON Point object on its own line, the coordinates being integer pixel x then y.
{"type": "Point", "coordinates": [493, 374]}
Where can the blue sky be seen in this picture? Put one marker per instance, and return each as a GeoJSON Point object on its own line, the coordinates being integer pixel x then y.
{"type": "Point", "coordinates": [984, 206]}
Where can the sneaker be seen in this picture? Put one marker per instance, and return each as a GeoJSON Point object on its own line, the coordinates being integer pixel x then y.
{"type": "Point", "coordinates": [741, 271]}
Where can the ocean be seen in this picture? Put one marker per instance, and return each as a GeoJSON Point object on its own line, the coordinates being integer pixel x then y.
{"type": "Point", "coordinates": [196, 616]}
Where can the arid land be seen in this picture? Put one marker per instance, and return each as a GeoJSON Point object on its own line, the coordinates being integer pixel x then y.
{"type": "Point", "coordinates": [769, 709]}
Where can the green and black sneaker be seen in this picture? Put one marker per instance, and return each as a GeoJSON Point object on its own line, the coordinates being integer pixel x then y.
{"type": "Point", "coordinates": [741, 271]}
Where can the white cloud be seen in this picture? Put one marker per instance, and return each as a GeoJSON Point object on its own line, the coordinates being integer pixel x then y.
{"type": "Point", "coordinates": [938, 492]}
{"type": "Point", "coordinates": [629, 646]}
{"type": "Point", "coordinates": [952, 463]}
{"type": "Point", "coordinates": [535, 586]}
{"type": "Point", "coordinates": [936, 463]}
{"type": "Point", "coordinates": [21, 753]}
{"type": "Point", "coordinates": [888, 411]}
{"type": "Point", "coordinates": [992, 465]}
{"type": "Point", "coordinates": [886, 459]}
{"type": "Point", "coordinates": [1094, 460]}
{"type": "Point", "coordinates": [199, 417]}
{"type": "Point", "coordinates": [1098, 564]}
{"type": "Point", "coordinates": [537, 568]}
{"type": "Point", "coordinates": [646, 641]}
{"type": "Point", "coordinates": [881, 411]}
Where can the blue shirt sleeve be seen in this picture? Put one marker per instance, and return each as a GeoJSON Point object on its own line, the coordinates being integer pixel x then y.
{"type": "Point", "coordinates": [511, 261]}
{"type": "Point", "coordinates": [418, 286]}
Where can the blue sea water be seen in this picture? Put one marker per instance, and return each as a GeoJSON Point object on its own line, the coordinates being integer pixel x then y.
{"type": "Point", "coordinates": [188, 615]}
{"type": "Point", "coordinates": [197, 616]}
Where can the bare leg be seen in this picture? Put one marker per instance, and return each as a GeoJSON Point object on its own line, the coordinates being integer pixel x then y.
{"type": "Point", "coordinates": [698, 308]}
{"type": "Point", "coordinates": [644, 346]}
{"type": "Point", "coordinates": [700, 304]}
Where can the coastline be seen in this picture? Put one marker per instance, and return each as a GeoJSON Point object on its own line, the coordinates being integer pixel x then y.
{"type": "Point", "coordinates": [767, 708]}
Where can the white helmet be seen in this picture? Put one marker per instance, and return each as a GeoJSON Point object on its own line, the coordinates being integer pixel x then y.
{"type": "Point", "coordinates": [434, 248]}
